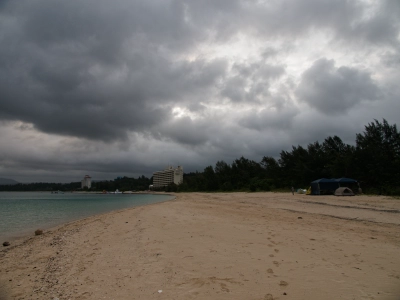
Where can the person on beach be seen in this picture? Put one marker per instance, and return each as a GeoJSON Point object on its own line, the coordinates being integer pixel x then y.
{"type": "Point", "coordinates": [292, 190]}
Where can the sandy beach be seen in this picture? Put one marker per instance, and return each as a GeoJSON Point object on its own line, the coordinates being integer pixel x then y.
{"type": "Point", "coordinates": [260, 246]}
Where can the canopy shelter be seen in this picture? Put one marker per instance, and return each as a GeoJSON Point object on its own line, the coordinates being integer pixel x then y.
{"type": "Point", "coordinates": [323, 186]}
{"type": "Point", "coordinates": [326, 186]}
{"type": "Point", "coordinates": [345, 180]}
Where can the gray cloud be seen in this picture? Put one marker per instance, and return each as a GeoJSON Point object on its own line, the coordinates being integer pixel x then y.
{"type": "Point", "coordinates": [186, 131]}
{"type": "Point", "coordinates": [250, 82]}
{"type": "Point", "coordinates": [381, 26]}
{"type": "Point", "coordinates": [270, 119]}
{"type": "Point", "coordinates": [391, 60]}
{"type": "Point", "coordinates": [334, 90]}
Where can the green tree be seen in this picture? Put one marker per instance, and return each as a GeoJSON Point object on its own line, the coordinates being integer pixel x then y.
{"type": "Point", "coordinates": [378, 155]}
{"type": "Point", "coordinates": [210, 179]}
{"type": "Point", "coordinates": [272, 173]}
{"type": "Point", "coordinates": [223, 174]}
{"type": "Point", "coordinates": [339, 157]}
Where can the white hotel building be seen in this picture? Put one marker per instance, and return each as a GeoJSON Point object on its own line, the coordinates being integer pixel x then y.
{"type": "Point", "coordinates": [168, 176]}
{"type": "Point", "coordinates": [86, 182]}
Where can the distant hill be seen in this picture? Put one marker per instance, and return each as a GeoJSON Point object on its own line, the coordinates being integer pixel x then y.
{"type": "Point", "coordinates": [5, 181]}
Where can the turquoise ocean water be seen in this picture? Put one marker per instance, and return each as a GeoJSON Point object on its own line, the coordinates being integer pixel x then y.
{"type": "Point", "coordinates": [21, 213]}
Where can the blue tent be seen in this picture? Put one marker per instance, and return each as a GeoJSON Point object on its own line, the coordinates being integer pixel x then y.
{"type": "Point", "coordinates": [324, 186]}
{"type": "Point", "coordinates": [328, 186]}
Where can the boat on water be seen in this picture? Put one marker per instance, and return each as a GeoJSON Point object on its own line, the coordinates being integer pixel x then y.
{"type": "Point", "coordinates": [117, 191]}
{"type": "Point", "coordinates": [57, 192]}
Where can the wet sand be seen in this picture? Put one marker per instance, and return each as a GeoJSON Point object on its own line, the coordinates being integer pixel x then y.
{"type": "Point", "coordinates": [216, 246]}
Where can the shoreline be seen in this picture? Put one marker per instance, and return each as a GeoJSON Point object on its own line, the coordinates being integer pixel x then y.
{"type": "Point", "coordinates": [216, 246]}
{"type": "Point", "coordinates": [29, 233]}
{"type": "Point", "coordinates": [22, 239]}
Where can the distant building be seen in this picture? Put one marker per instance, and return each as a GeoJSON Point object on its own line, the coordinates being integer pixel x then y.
{"type": "Point", "coordinates": [86, 182]}
{"type": "Point", "coordinates": [168, 176]}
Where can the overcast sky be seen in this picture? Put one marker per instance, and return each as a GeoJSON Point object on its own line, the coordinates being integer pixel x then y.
{"type": "Point", "coordinates": [125, 88]}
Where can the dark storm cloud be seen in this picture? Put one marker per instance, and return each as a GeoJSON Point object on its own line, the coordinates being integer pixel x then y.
{"type": "Point", "coordinates": [334, 90]}
{"type": "Point", "coordinates": [96, 70]}
{"type": "Point", "coordinates": [104, 27]}
{"type": "Point", "coordinates": [114, 86]}
{"type": "Point", "coordinates": [82, 87]}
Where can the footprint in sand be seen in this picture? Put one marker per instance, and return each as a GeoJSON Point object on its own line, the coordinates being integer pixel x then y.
{"type": "Point", "coordinates": [270, 271]}
{"type": "Point", "coordinates": [223, 287]}
{"type": "Point", "coordinates": [283, 283]}
{"type": "Point", "coordinates": [276, 250]}
{"type": "Point", "coordinates": [276, 263]}
{"type": "Point", "coordinates": [268, 297]}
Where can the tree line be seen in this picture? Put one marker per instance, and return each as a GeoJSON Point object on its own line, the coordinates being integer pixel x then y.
{"type": "Point", "coordinates": [122, 183]}
{"type": "Point", "coordinates": [40, 187]}
{"type": "Point", "coordinates": [374, 161]}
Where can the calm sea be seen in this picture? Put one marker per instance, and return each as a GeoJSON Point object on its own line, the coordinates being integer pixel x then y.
{"type": "Point", "coordinates": [21, 213]}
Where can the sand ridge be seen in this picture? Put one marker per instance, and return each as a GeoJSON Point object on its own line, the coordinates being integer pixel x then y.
{"type": "Point", "coordinates": [217, 246]}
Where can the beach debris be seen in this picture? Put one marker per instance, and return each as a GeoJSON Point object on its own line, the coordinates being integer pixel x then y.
{"type": "Point", "coordinates": [159, 291]}
{"type": "Point", "coordinates": [283, 283]}
{"type": "Point", "coordinates": [299, 218]}
{"type": "Point", "coordinates": [5, 244]}
{"type": "Point", "coordinates": [38, 232]}
{"type": "Point", "coordinates": [285, 294]}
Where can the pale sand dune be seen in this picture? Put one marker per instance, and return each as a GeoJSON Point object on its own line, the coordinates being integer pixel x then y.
{"type": "Point", "coordinates": [217, 246]}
